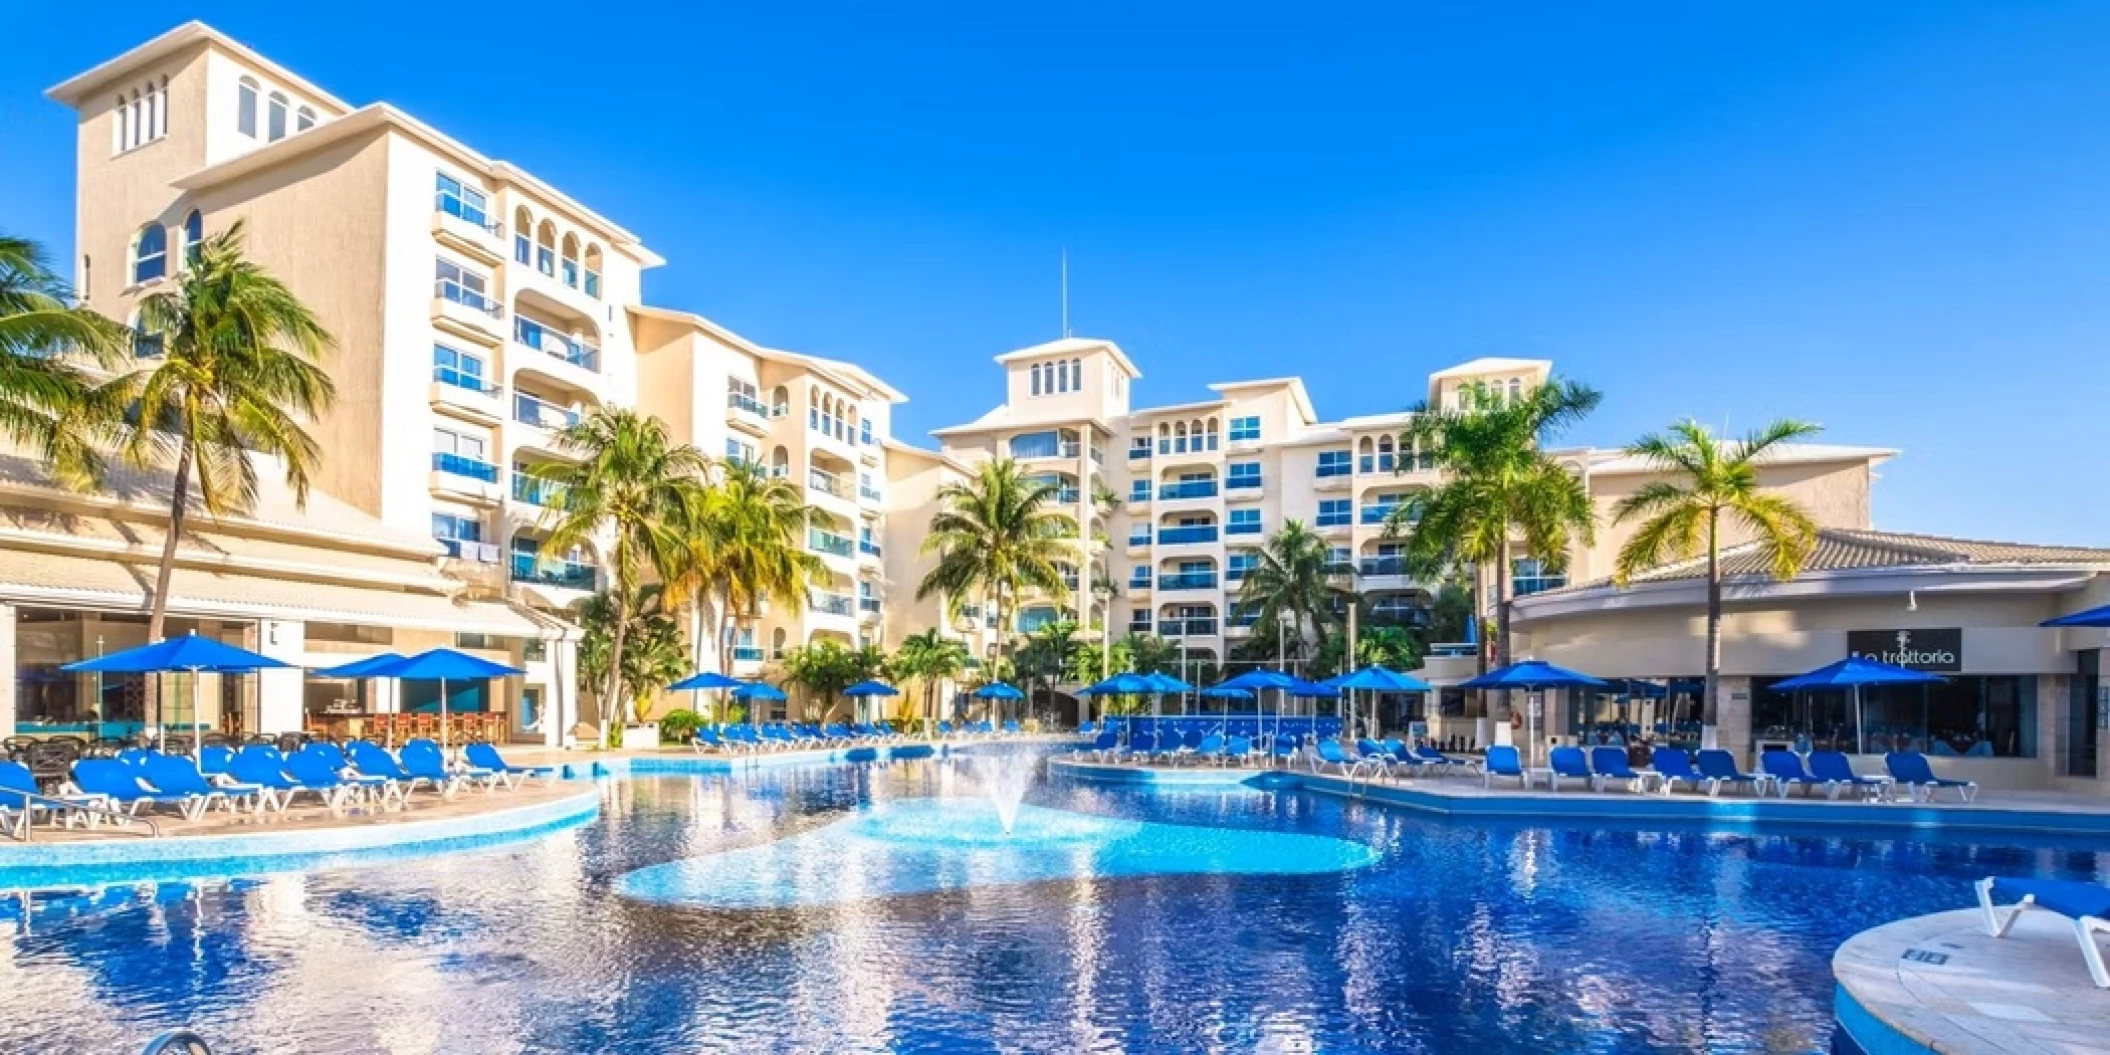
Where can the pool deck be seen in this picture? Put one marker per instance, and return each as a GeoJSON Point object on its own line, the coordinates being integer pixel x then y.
{"type": "Point", "coordinates": [422, 806]}
{"type": "Point", "coordinates": [1940, 983]}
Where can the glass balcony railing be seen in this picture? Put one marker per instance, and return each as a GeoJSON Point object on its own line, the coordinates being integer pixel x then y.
{"type": "Point", "coordinates": [829, 542]}
{"type": "Point", "coordinates": [1242, 619]}
{"type": "Point", "coordinates": [1174, 536]}
{"type": "Point", "coordinates": [1236, 572]}
{"type": "Point", "coordinates": [537, 492]}
{"type": "Point", "coordinates": [454, 378]}
{"type": "Point", "coordinates": [549, 342]}
{"type": "Point", "coordinates": [746, 404]}
{"type": "Point", "coordinates": [470, 549]}
{"type": "Point", "coordinates": [747, 654]}
{"type": "Point", "coordinates": [1194, 627]}
{"type": "Point", "coordinates": [1378, 514]}
{"type": "Point", "coordinates": [1064, 496]}
{"type": "Point", "coordinates": [1188, 580]}
{"type": "Point", "coordinates": [869, 494]}
{"type": "Point", "coordinates": [463, 465]}
{"type": "Point", "coordinates": [868, 605]}
{"type": "Point", "coordinates": [1138, 453]}
{"type": "Point", "coordinates": [448, 289]}
{"type": "Point", "coordinates": [1139, 583]}
{"type": "Point", "coordinates": [1245, 527]}
{"type": "Point", "coordinates": [827, 483]}
{"type": "Point", "coordinates": [593, 283]}
{"type": "Point", "coordinates": [1338, 567]}
{"type": "Point", "coordinates": [1382, 463]}
{"type": "Point", "coordinates": [1327, 519]}
{"type": "Point", "coordinates": [1399, 614]}
{"type": "Point", "coordinates": [570, 575]}
{"type": "Point", "coordinates": [531, 411]}
{"type": "Point", "coordinates": [1241, 483]}
{"type": "Point", "coordinates": [454, 206]}
{"type": "Point", "coordinates": [1526, 585]}
{"type": "Point", "coordinates": [1389, 565]}
{"type": "Point", "coordinates": [1142, 627]}
{"type": "Point", "coordinates": [833, 603]}
{"type": "Point", "coordinates": [1139, 538]}
{"type": "Point", "coordinates": [1187, 489]}
{"type": "Point", "coordinates": [871, 548]}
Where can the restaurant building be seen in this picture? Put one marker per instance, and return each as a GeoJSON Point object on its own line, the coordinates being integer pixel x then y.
{"type": "Point", "coordinates": [2020, 705]}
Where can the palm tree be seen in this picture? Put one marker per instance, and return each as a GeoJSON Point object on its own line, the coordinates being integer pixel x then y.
{"type": "Point", "coordinates": [744, 548]}
{"type": "Point", "coordinates": [238, 375]}
{"type": "Point", "coordinates": [826, 667]}
{"type": "Point", "coordinates": [47, 403]}
{"type": "Point", "coordinates": [929, 659]}
{"type": "Point", "coordinates": [630, 481]}
{"type": "Point", "coordinates": [1712, 479]}
{"type": "Point", "coordinates": [652, 652]}
{"type": "Point", "coordinates": [1290, 583]}
{"type": "Point", "coordinates": [996, 535]}
{"type": "Point", "coordinates": [1501, 485]}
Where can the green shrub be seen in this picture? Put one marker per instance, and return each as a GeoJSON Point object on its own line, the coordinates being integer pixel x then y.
{"type": "Point", "coordinates": [677, 726]}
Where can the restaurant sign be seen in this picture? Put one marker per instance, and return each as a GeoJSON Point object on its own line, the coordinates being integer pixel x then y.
{"type": "Point", "coordinates": [1939, 650]}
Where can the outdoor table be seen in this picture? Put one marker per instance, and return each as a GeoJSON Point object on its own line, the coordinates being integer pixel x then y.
{"type": "Point", "coordinates": [1532, 773]}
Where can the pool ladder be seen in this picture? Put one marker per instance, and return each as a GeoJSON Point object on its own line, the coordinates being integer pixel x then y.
{"type": "Point", "coordinates": [177, 1042]}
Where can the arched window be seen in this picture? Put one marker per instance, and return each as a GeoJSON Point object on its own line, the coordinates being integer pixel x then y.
{"type": "Point", "coordinates": [149, 116]}
{"type": "Point", "coordinates": [193, 236]}
{"type": "Point", "coordinates": [593, 270]}
{"type": "Point", "coordinates": [568, 269]}
{"type": "Point", "coordinates": [1036, 379]}
{"type": "Point", "coordinates": [245, 95]}
{"type": "Point", "coordinates": [546, 248]}
{"type": "Point", "coordinates": [1077, 375]}
{"type": "Point", "coordinates": [150, 254]}
{"type": "Point", "coordinates": [779, 461]}
{"type": "Point", "coordinates": [275, 118]}
{"type": "Point", "coordinates": [1516, 390]}
{"type": "Point", "coordinates": [523, 251]}
{"type": "Point", "coordinates": [303, 119]}
{"type": "Point", "coordinates": [143, 345]}
{"type": "Point", "coordinates": [780, 402]}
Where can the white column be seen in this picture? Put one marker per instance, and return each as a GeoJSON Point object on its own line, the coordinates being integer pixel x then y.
{"type": "Point", "coordinates": [8, 661]}
{"type": "Point", "coordinates": [561, 704]}
{"type": "Point", "coordinates": [281, 694]}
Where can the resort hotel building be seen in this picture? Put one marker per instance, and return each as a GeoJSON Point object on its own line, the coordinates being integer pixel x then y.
{"type": "Point", "coordinates": [477, 310]}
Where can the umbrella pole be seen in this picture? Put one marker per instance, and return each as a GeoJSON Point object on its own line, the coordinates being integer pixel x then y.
{"type": "Point", "coordinates": [443, 717]}
{"type": "Point", "coordinates": [1860, 734]}
{"type": "Point", "coordinates": [196, 729]}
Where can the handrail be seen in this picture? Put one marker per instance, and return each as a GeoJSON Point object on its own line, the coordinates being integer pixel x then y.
{"type": "Point", "coordinates": [22, 800]}
{"type": "Point", "coordinates": [177, 1042]}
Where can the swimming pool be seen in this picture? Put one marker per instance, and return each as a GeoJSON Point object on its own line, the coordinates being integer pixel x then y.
{"type": "Point", "coordinates": [1360, 928]}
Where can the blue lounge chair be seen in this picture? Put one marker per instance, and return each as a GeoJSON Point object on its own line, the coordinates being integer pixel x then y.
{"type": "Point", "coordinates": [423, 758]}
{"type": "Point", "coordinates": [117, 783]}
{"type": "Point", "coordinates": [1329, 753]}
{"type": "Point", "coordinates": [1719, 767]}
{"type": "Point", "coordinates": [1608, 763]}
{"type": "Point", "coordinates": [1502, 761]}
{"type": "Point", "coordinates": [1211, 749]}
{"type": "Point", "coordinates": [369, 760]}
{"type": "Point", "coordinates": [1910, 768]}
{"type": "Point", "coordinates": [1784, 768]}
{"type": "Point", "coordinates": [175, 775]}
{"type": "Point", "coordinates": [1238, 749]}
{"type": "Point", "coordinates": [1838, 773]}
{"type": "Point", "coordinates": [1429, 755]}
{"type": "Point", "coordinates": [484, 756]}
{"type": "Point", "coordinates": [368, 784]}
{"type": "Point", "coordinates": [1168, 749]}
{"type": "Point", "coordinates": [1086, 729]}
{"type": "Point", "coordinates": [1672, 765]}
{"type": "Point", "coordinates": [312, 774]}
{"type": "Point", "coordinates": [1011, 726]}
{"type": "Point", "coordinates": [213, 759]}
{"type": "Point", "coordinates": [2086, 904]}
{"type": "Point", "coordinates": [1371, 755]}
{"type": "Point", "coordinates": [1141, 745]}
{"type": "Point", "coordinates": [1286, 747]}
{"type": "Point", "coordinates": [19, 794]}
{"type": "Point", "coordinates": [1568, 763]}
{"type": "Point", "coordinates": [1104, 745]}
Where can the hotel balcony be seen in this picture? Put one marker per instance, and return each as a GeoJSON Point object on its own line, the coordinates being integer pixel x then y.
{"type": "Point", "coordinates": [466, 395]}
{"type": "Point", "coordinates": [1139, 539]}
{"type": "Point", "coordinates": [1187, 580]}
{"type": "Point", "coordinates": [1186, 489]}
{"type": "Point", "coordinates": [530, 570]}
{"type": "Point", "coordinates": [464, 228]}
{"type": "Point", "coordinates": [467, 313]}
{"type": "Point", "coordinates": [1198, 626]}
{"type": "Point", "coordinates": [1139, 626]}
{"type": "Point", "coordinates": [470, 551]}
{"type": "Point", "coordinates": [868, 608]}
{"type": "Point", "coordinates": [1237, 487]}
{"type": "Point", "coordinates": [747, 660]}
{"type": "Point", "coordinates": [869, 551]}
{"type": "Point", "coordinates": [1138, 454]}
{"type": "Point", "coordinates": [831, 489]}
{"type": "Point", "coordinates": [829, 544]}
{"type": "Point", "coordinates": [542, 414]}
{"type": "Point", "coordinates": [841, 604]}
{"type": "Point", "coordinates": [870, 495]}
{"type": "Point", "coordinates": [535, 492]}
{"type": "Point", "coordinates": [1139, 583]}
{"type": "Point", "coordinates": [1244, 527]}
{"type": "Point", "coordinates": [1187, 536]}
{"type": "Point", "coordinates": [464, 477]}
{"type": "Point", "coordinates": [1526, 585]}
{"type": "Point", "coordinates": [567, 358]}
{"type": "Point", "coordinates": [1376, 515]}
{"type": "Point", "coordinates": [746, 413]}
{"type": "Point", "coordinates": [1332, 476]}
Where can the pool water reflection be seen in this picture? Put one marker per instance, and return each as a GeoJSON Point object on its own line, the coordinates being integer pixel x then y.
{"type": "Point", "coordinates": [1442, 937]}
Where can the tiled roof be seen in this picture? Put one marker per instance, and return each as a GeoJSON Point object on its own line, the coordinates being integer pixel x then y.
{"type": "Point", "coordinates": [1841, 549]}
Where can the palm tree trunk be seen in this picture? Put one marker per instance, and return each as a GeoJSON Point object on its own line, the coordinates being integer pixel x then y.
{"type": "Point", "coordinates": [1501, 696]}
{"type": "Point", "coordinates": [1710, 706]}
{"type": "Point", "coordinates": [179, 504]}
{"type": "Point", "coordinates": [613, 699]}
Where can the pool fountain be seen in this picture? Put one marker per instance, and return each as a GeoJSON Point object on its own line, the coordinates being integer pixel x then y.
{"type": "Point", "coordinates": [1005, 779]}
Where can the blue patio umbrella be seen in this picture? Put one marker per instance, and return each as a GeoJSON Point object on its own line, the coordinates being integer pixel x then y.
{"type": "Point", "coordinates": [705, 681]}
{"type": "Point", "coordinates": [361, 669]}
{"type": "Point", "coordinates": [2093, 617]}
{"type": "Point", "coordinates": [759, 690]}
{"type": "Point", "coordinates": [442, 665]}
{"type": "Point", "coordinates": [866, 689]}
{"type": "Point", "coordinates": [1161, 684]}
{"type": "Point", "coordinates": [1851, 673]}
{"type": "Point", "coordinates": [1126, 683]}
{"type": "Point", "coordinates": [1532, 675]}
{"type": "Point", "coordinates": [1375, 679]}
{"type": "Point", "coordinates": [197, 655]}
{"type": "Point", "coordinates": [997, 690]}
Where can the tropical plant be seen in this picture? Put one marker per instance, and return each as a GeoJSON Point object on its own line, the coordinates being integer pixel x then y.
{"type": "Point", "coordinates": [238, 375]}
{"type": "Point", "coordinates": [743, 547]}
{"type": "Point", "coordinates": [653, 653]}
{"type": "Point", "coordinates": [1047, 655]}
{"type": "Point", "coordinates": [1712, 480]}
{"type": "Point", "coordinates": [47, 403]}
{"type": "Point", "coordinates": [995, 535]}
{"type": "Point", "coordinates": [826, 667]}
{"type": "Point", "coordinates": [628, 482]}
{"type": "Point", "coordinates": [1391, 647]}
{"type": "Point", "coordinates": [929, 659]}
{"type": "Point", "coordinates": [1451, 610]}
{"type": "Point", "coordinates": [679, 725]}
{"type": "Point", "coordinates": [1289, 588]}
{"type": "Point", "coordinates": [1500, 486]}
{"type": "Point", "coordinates": [1151, 654]}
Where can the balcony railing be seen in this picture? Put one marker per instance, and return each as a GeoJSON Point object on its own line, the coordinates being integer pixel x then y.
{"type": "Point", "coordinates": [1241, 483]}
{"type": "Point", "coordinates": [1325, 519]}
{"type": "Point", "coordinates": [537, 492]}
{"type": "Point", "coordinates": [868, 605]}
{"type": "Point", "coordinates": [534, 335]}
{"type": "Point", "coordinates": [1188, 580]}
{"type": "Point", "coordinates": [1400, 614]}
{"type": "Point", "coordinates": [1378, 514]}
{"type": "Point", "coordinates": [1065, 496]}
{"type": "Point", "coordinates": [869, 547]}
{"type": "Point", "coordinates": [452, 377]}
{"type": "Point", "coordinates": [1251, 527]}
{"type": "Point", "coordinates": [747, 654]}
{"type": "Point", "coordinates": [531, 411]}
{"type": "Point", "coordinates": [1382, 566]}
{"type": "Point", "coordinates": [463, 465]}
{"type": "Point", "coordinates": [1525, 585]}
{"type": "Point", "coordinates": [1236, 572]}
{"type": "Point", "coordinates": [470, 549]}
{"type": "Point", "coordinates": [827, 483]}
{"type": "Point", "coordinates": [746, 404]}
{"type": "Point", "coordinates": [869, 494]}
{"type": "Point", "coordinates": [833, 603]}
{"type": "Point", "coordinates": [1139, 538]}
{"type": "Point", "coordinates": [1327, 469]}
{"type": "Point", "coordinates": [1194, 627]}
{"type": "Point", "coordinates": [570, 575]}
{"type": "Point", "coordinates": [454, 206]}
{"type": "Point", "coordinates": [1187, 489]}
{"type": "Point", "coordinates": [1141, 582]}
{"type": "Point", "coordinates": [829, 542]}
{"type": "Point", "coordinates": [1138, 453]}
{"type": "Point", "coordinates": [1174, 536]}
{"type": "Point", "coordinates": [450, 290]}
{"type": "Point", "coordinates": [1382, 463]}
{"type": "Point", "coordinates": [1196, 444]}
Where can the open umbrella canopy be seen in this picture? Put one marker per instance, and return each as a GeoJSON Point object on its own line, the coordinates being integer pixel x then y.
{"type": "Point", "coordinates": [2091, 617]}
{"type": "Point", "coordinates": [1377, 679]}
{"type": "Point", "coordinates": [441, 664]}
{"type": "Point", "coordinates": [1854, 670]}
{"type": "Point", "coordinates": [1122, 684]}
{"type": "Point", "coordinates": [709, 679]}
{"type": "Point", "coordinates": [1220, 692]}
{"type": "Point", "coordinates": [1636, 687]}
{"type": "Point", "coordinates": [188, 652]}
{"type": "Point", "coordinates": [1312, 689]}
{"type": "Point", "coordinates": [1258, 679]}
{"type": "Point", "coordinates": [1166, 683]}
{"type": "Point", "coordinates": [362, 668]}
{"type": "Point", "coordinates": [871, 688]}
{"type": "Point", "coordinates": [758, 690]}
{"type": "Point", "coordinates": [1532, 674]}
{"type": "Point", "coordinates": [997, 690]}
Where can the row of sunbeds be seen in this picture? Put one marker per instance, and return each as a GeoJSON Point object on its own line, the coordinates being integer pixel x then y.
{"type": "Point", "coordinates": [806, 736]}
{"type": "Point", "coordinates": [1715, 771]}
{"type": "Point", "coordinates": [257, 777]}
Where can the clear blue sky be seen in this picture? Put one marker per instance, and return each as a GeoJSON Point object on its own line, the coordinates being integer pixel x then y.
{"type": "Point", "coordinates": [1888, 218]}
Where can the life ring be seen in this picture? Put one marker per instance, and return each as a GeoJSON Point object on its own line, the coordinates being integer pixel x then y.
{"type": "Point", "coordinates": [1516, 719]}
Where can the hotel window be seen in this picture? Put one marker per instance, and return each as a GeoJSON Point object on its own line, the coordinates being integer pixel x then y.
{"type": "Point", "coordinates": [275, 118]}
{"type": "Point", "coordinates": [462, 286]}
{"type": "Point", "coordinates": [1963, 715]}
{"type": "Point", "coordinates": [1034, 371]}
{"type": "Point", "coordinates": [245, 108]}
{"type": "Point", "coordinates": [458, 200]}
{"type": "Point", "coordinates": [1243, 475]}
{"type": "Point", "coordinates": [1334, 463]}
{"type": "Point", "coordinates": [1336, 512]}
{"type": "Point", "coordinates": [1242, 561]}
{"type": "Point", "coordinates": [193, 237]}
{"type": "Point", "coordinates": [448, 526]}
{"type": "Point", "coordinates": [740, 394]}
{"type": "Point", "coordinates": [1036, 445]}
{"type": "Point", "coordinates": [303, 120]}
{"type": "Point", "coordinates": [864, 432]}
{"type": "Point", "coordinates": [1337, 557]}
{"type": "Point", "coordinates": [1516, 390]}
{"type": "Point", "coordinates": [742, 453]}
{"type": "Point", "coordinates": [1139, 490]}
{"type": "Point", "coordinates": [1243, 522]}
{"type": "Point", "coordinates": [458, 368]}
{"type": "Point", "coordinates": [150, 254]}
{"type": "Point", "coordinates": [1139, 447]}
{"type": "Point", "coordinates": [1246, 428]}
